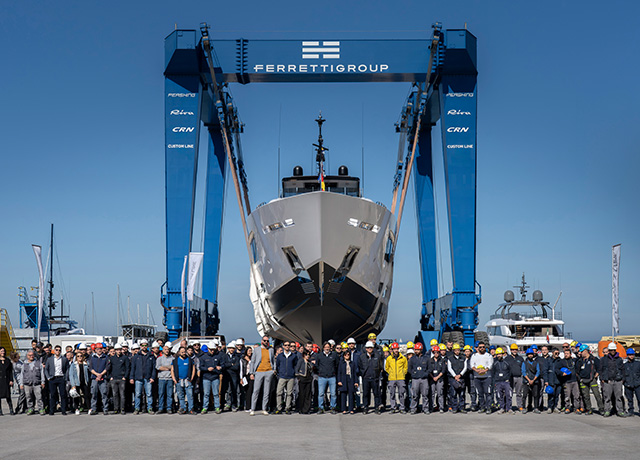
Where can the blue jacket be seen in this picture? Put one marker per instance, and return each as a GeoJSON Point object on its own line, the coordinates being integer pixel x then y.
{"type": "Point", "coordinates": [348, 381]}
{"type": "Point", "coordinates": [74, 377]}
{"type": "Point", "coordinates": [98, 364]}
{"type": "Point", "coordinates": [207, 361]}
{"type": "Point", "coordinates": [286, 367]}
{"type": "Point", "coordinates": [143, 367]}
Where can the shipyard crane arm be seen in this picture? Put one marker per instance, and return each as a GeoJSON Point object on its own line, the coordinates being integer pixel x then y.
{"type": "Point", "coordinates": [443, 71]}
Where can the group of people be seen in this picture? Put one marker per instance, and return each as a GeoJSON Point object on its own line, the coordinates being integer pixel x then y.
{"type": "Point", "coordinates": [191, 378]}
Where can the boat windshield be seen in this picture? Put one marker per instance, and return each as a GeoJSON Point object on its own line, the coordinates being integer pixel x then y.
{"type": "Point", "coordinates": [524, 331]}
{"type": "Point", "coordinates": [297, 185]}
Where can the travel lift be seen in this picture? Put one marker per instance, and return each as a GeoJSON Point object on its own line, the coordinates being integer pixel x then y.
{"type": "Point", "coordinates": [444, 74]}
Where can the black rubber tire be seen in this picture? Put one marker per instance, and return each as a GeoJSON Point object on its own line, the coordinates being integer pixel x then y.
{"type": "Point", "coordinates": [482, 336]}
{"type": "Point", "coordinates": [457, 337]}
{"type": "Point", "coordinates": [446, 337]}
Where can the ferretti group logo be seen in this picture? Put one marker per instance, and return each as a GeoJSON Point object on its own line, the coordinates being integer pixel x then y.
{"type": "Point", "coordinates": [313, 54]}
{"type": "Point", "coordinates": [326, 50]}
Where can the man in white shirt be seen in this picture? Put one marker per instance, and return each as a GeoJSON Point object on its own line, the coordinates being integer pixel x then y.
{"type": "Point", "coordinates": [481, 364]}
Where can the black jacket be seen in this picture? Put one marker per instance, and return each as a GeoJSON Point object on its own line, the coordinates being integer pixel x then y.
{"type": "Point", "coordinates": [118, 367]}
{"type": "Point", "coordinates": [437, 367]}
{"type": "Point", "coordinates": [515, 364]}
{"type": "Point", "coordinates": [569, 364]}
{"type": "Point", "coordinates": [326, 365]}
{"type": "Point", "coordinates": [611, 368]}
{"type": "Point", "coordinates": [586, 369]}
{"type": "Point", "coordinates": [501, 370]}
{"type": "Point", "coordinates": [418, 367]}
{"type": "Point", "coordinates": [632, 373]}
{"type": "Point", "coordinates": [370, 367]}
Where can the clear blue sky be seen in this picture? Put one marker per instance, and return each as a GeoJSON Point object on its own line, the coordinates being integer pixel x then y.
{"type": "Point", "coordinates": [558, 145]}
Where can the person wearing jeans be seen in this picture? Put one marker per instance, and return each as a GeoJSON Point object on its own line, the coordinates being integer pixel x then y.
{"type": "Point", "coordinates": [165, 382]}
{"type": "Point", "coordinates": [326, 363]}
{"type": "Point", "coordinates": [143, 373]}
{"type": "Point", "coordinates": [481, 364]}
{"type": "Point", "coordinates": [183, 371]}
{"type": "Point", "coordinates": [210, 370]}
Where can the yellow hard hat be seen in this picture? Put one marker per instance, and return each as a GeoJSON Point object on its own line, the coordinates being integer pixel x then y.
{"type": "Point", "coordinates": [433, 342]}
{"type": "Point", "coordinates": [372, 336]}
{"type": "Point", "coordinates": [409, 344]}
{"type": "Point", "coordinates": [442, 346]}
{"type": "Point", "coordinates": [574, 343]}
{"type": "Point", "coordinates": [385, 348]}
{"type": "Point", "coordinates": [456, 346]}
{"type": "Point", "coordinates": [499, 351]}
{"type": "Point", "coordinates": [480, 367]}
{"type": "Point", "coordinates": [513, 346]}
{"type": "Point", "coordinates": [467, 347]}
{"type": "Point", "coordinates": [344, 345]}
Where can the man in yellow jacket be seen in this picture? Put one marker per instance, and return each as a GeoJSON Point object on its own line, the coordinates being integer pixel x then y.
{"type": "Point", "coordinates": [396, 367]}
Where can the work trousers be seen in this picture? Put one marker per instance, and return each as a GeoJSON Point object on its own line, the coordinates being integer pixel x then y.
{"type": "Point", "coordinates": [22, 402]}
{"type": "Point", "coordinates": [456, 394]}
{"type": "Point", "coordinates": [33, 394]}
{"type": "Point", "coordinates": [348, 401]}
{"type": "Point", "coordinates": [628, 393]}
{"type": "Point", "coordinates": [516, 385]}
{"type": "Point", "coordinates": [571, 391]}
{"type": "Point", "coordinates": [117, 393]}
{"type": "Point", "coordinates": [57, 389]}
{"type": "Point", "coordinates": [503, 393]}
{"type": "Point", "coordinates": [586, 388]}
{"type": "Point", "coordinates": [552, 399]}
{"type": "Point", "coordinates": [371, 385]}
{"type": "Point", "coordinates": [420, 387]}
{"type": "Point", "coordinates": [469, 383]}
{"type": "Point", "coordinates": [165, 395]}
{"type": "Point", "coordinates": [437, 393]}
{"type": "Point", "coordinates": [483, 389]}
{"type": "Point", "coordinates": [230, 389]}
{"type": "Point", "coordinates": [284, 385]}
{"type": "Point", "coordinates": [211, 387]}
{"type": "Point", "coordinates": [530, 395]}
{"type": "Point", "coordinates": [396, 386]}
{"type": "Point", "coordinates": [260, 380]}
{"type": "Point", "coordinates": [304, 396]}
{"type": "Point", "coordinates": [611, 390]}
{"type": "Point", "coordinates": [99, 386]}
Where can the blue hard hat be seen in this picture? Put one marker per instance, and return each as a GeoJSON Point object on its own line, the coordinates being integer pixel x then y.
{"type": "Point", "coordinates": [475, 345]}
{"type": "Point", "coordinates": [579, 345]}
{"type": "Point", "coordinates": [631, 351]}
{"type": "Point", "coordinates": [492, 347]}
{"type": "Point", "coordinates": [583, 347]}
{"type": "Point", "coordinates": [205, 348]}
{"type": "Point", "coordinates": [548, 390]}
{"type": "Point", "coordinates": [534, 347]}
{"type": "Point", "coordinates": [530, 350]}
{"type": "Point", "coordinates": [565, 371]}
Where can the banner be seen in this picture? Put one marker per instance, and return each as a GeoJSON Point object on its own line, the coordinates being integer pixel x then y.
{"type": "Point", "coordinates": [615, 274]}
{"type": "Point", "coordinates": [184, 271]}
{"type": "Point", "coordinates": [195, 260]}
{"type": "Point", "coordinates": [37, 250]}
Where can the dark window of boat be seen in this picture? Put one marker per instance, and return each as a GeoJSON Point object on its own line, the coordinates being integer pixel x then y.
{"type": "Point", "coordinates": [344, 185]}
{"type": "Point", "coordinates": [254, 249]}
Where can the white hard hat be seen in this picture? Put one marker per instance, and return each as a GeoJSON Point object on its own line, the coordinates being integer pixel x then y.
{"type": "Point", "coordinates": [118, 346]}
{"type": "Point", "coordinates": [82, 346]}
{"type": "Point", "coordinates": [167, 343]}
{"type": "Point", "coordinates": [195, 342]}
{"type": "Point", "coordinates": [611, 346]}
{"type": "Point", "coordinates": [332, 342]}
{"type": "Point", "coordinates": [215, 342]}
{"type": "Point", "coordinates": [135, 346]}
{"type": "Point", "coordinates": [410, 351]}
{"type": "Point", "coordinates": [351, 340]}
{"type": "Point", "coordinates": [144, 341]}
{"type": "Point", "coordinates": [74, 393]}
{"type": "Point", "coordinates": [155, 344]}
{"type": "Point", "coordinates": [239, 342]}
{"type": "Point", "coordinates": [369, 344]}
{"type": "Point", "coordinates": [231, 344]}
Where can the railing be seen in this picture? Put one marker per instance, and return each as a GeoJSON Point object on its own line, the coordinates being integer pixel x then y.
{"type": "Point", "coordinates": [6, 332]}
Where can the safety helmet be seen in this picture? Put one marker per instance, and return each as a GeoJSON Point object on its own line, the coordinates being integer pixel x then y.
{"type": "Point", "coordinates": [411, 351]}
{"type": "Point", "coordinates": [417, 346]}
{"type": "Point", "coordinates": [231, 344]}
{"type": "Point", "coordinates": [631, 351]}
{"type": "Point", "coordinates": [467, 347]}
{"type": "Point", "coordinates": [135, 346]}
{"type": "Point", "coordinates": [117, 347]}
{"type": "Point", "coordinates": [74, 393]}
{"type": "Point", "coordinates": [513, 346]}
{"type": "Point", "coordinates": [409, 344]}
{"type": "Point", "coordinates": [565, 370]}
{"type": "Point", "coordinates": [534, 347]}
{"type": "Point", "coordinates": [155, 344]}
{"type": "Point", "coordinates": [492, 347]}
{"type": "Point", "coordinates": [93, 347]}
{"type": "Point", "coordinates": [205, 348]}
{"type": "Point", "coordinates": [611, 346]}
{"type": "Point", "coordinates": [394, 346]}
{"type": "Point", "coordinates": [297, 344]}
{"type": "Point", "coordinates": [344, 345]}
{"type": "Point", "coordinates": [584, 348]}
{"type": "Point", "coordinates": [372, 336]}
{"type": "Point", "coordinates": [435, 348]}
{"type": "Point", "coordinates": [573, 343]}
{"type": "Point", "coordinates": [331, 342]}
{"type": "Point", "coordinates": [548, 390]}
{"type": "Point", "coordinates": [456, 346]}
{"type": "Point", "coordinates": [99, 345]}
{"type": "Point", "coordinates": [433, 342]}
{"type": "Point", "coordinates": [499, 351]}
{"type": "Point", "coordinates": [578, 345]}
{"type": "Point", "coordinates": [530, 351]}
{"type": "Point", "coordinates": [315, 348]}
{"type": "Point", "coordinates": [369, 344]}
{"type": "Point", "coordinates": [385, 348]}
{"type": "Point", "coordinates": [351, 340]}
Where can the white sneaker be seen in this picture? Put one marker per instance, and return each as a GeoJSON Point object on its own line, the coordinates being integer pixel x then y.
{"type": "Point", "coordinates": [90, 412]}
{"type": "Point", "coordinates": [264, 412]}
{"type": "Point", "coordinates": [77, 411]}
{"type": "Point", "coordinates": [252, 412]}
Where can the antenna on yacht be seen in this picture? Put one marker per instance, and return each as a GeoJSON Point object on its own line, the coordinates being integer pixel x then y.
{"type": "Point", "coordinates": [523, 289]}
{"type": "Point", "coordinates": [320, 149]}
{"type": "Point", "coordinates": [553, 310]}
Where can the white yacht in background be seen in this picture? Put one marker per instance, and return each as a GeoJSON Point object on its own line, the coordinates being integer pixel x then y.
{"type": "Point", "coordinates": [526, 322]}
{"type": "Point", "coordinates": [321, 258]}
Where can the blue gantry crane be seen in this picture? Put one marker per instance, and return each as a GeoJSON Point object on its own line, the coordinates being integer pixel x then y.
{"type": "Point", "coordinates": [443, 70]}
